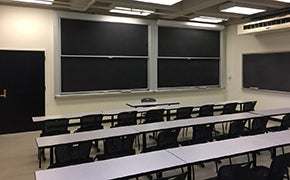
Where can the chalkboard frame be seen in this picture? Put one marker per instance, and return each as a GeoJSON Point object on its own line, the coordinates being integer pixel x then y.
{"type": "Point", "coordinates": [271, 73]}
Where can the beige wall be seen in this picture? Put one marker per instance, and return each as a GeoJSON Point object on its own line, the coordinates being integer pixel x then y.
{"type": "Point", "coordinates": [32, 29]}
{"type": "Point", "coordinates": [241, 44]}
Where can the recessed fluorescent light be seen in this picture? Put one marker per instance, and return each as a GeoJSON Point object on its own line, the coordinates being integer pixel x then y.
{"type": "Point", "coordinates": [163, 2]}
{"type": "Point", "coordinates": [49, 2]}
{"type": "Point", "coordinates": [202, 25]}
{"type": "Point", "coordinates": [242, 10]}
{"type": "Point", "coordinates": [131, 11]}
{"type": "Point", "coordinates": [208, 19]}
{"type": "Point", "coordinates": [285, 1]}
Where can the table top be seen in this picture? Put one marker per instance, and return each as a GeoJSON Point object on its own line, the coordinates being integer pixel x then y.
{"type": "Point", "coordinates": [273, 112]}
{"type": "Point", "coordinates": [146, 104]}
{"type": "Point", "coordinates": [48, 141]}
{"type": "Point", "coordinates": [235, 146]}
{"type": "Point", "coordinates": [193, 121]}
{"type": "Point", "coordinates": [113, 168]}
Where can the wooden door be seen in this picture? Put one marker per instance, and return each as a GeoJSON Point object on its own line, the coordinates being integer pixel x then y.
{"type": "Point", "coordinates": [22, 90]}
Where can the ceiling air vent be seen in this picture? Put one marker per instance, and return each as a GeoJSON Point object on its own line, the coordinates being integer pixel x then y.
{"type": "Point", "coordinates": [267, 25]}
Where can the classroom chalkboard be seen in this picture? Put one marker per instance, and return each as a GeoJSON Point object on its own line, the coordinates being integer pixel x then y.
{"type": "Point", "coordinates": [188, 57]}
{"type": "Point", "coordinates": [83, 37]}
{"type": "Point", "coordinates": [183, 72]}
{"type": "Point", "coordinates": [102, 74]}
{"type": "Point", "coordinates": [102, 56]}
{"type": "Point", "coordinates": [186, 42]}
{"type": "Point", "coordinates": [268, 71]}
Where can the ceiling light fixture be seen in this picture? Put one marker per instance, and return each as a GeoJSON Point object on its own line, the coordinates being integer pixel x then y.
{"type": "Point", "coordinates": [242, 10]}
{"type": "Point", "coordinates": [285, 1]}
{"type": "Point", "coordinates": [49, 2]}
{"type": "Point", "coordinates": [208, 19]}
{"type": "Point", "coordinates": [162, 2]}
{"type": "Point", "coordinates": [131, 11]}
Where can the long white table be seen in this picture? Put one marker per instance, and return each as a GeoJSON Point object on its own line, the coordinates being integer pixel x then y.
{"type": "Point", "coordinates": [273, 112]}
{"type": "Point", "coordinates": [114, 168]}
{"type": "Point", "coordinates": [171, 158]}
{"type": "Point", "coordinates": [148, 104]}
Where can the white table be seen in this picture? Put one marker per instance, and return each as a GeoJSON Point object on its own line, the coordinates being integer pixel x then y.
{"type": "Point", "coordinates": [148, 104]}
{"type": "Point", "coordinates": [114, 168]}
{"type": "Point", "coordinates": [226, 148]}
{"type": "Point", "coordinates": [273, 112]}
{"type": "Point", "coordinates": [151, 127]}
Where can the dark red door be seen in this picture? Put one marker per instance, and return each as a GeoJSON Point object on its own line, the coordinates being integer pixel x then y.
{"type": "Point", "coordinates": [22, 90]}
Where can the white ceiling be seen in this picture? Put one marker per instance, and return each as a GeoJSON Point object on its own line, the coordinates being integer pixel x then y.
{"type": "Point", "coordinates": [181, 11]}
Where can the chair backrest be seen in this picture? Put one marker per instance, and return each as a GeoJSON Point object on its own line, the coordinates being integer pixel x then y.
{"type": "Point", "coordinates": [70, 154]}
{"type": "Point", "coordinates": [181, 176]}
{"type": "Point", "coordinates": [81, 150]}
{"type": "Point", "coordinates": [63, 153]}
{"type": "Point", "coordinates": [118, 147]}
{"type": "Point", "coordinates": [234, 171]}
{"type": "Point", "coordinates": [259, 125]}
{"type": "Point", "coordinates": [168, 139]}
{"type": "Point", "coordinates": [237, 128]}
{"type": "Point", "coordinates": [127, 118]}
{"type": "Point", "coordinates": [147, 99]}
{"type": "Point", "coordinates": [154, 115]}
{"type": "Point", "coordinates": [202, 133]}
{"type": "Point", "coordinates": [285, 123]}
{"type": "Point", "coordinates": [279, 167]}
{"type": "Point", "coordinates": [249, 106]}
{"type": "Point", "coordinates": [229, 108]}
{"type": "Point", "coordinates": [54, 127]}
{"type": "Point", "coordinates": [91, 122]}
{"type": "Point", "coordinates": [184, 112]}
{"type": "Point", "coordinates": [206, 110]}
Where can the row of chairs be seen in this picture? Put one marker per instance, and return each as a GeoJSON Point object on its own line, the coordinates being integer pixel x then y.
{"type": "Point", "coordinates": [278, 170]}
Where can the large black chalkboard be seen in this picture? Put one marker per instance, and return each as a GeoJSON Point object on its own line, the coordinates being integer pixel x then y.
{"type": "Point", "coordinates": [185, 42]}
{"type": "Point", "coordinates": [94, 74]}
{"type": "Point", "coordinates": [82, 37]}
{"type": "Point", "coordinates": [182, 72]}
{"type": "Point", "coordinates": [269, 71]}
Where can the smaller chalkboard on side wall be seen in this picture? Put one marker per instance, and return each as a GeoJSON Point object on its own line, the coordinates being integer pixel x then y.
{"type": "Point", "coordinates": [267, 71]}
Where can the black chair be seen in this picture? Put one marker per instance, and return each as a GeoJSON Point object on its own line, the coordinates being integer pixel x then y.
{"type": "Point", "coordinates": [165, 139]}
{"type": "Point", "coordinates": [248, 106]}
{"type": "Point", "coordinates": [127, 118]}
{"type": "Point", "coordinates": [181, 176]}
{"type": "Point", "coordinates": [278, 169]}
{"type": "Point", "coordinates": [236, 129]}
{"type": "Point", "coordinates": [206, 110]}
{"type": "Point", "coordinates": [239, 171]}
{"type": "Point", "coordinates": [90, 123]}
{"type": "Point", "coordinates": [147, 99]}
{"type": "Point", "coordinates": [285, 124]}
{"type": "Point", "coordinates": [117, 147]}
{"type": "Point", "coordinates": [200, 134]}
{"type": "Point", "coordinates": [228, 108]}
{"type": "Point", "coordinates": [183, 112]}
{"type": "Point", "coordinates": [71, 154]}
{"type": "Point", "coordinates": [258, 126]}
{"type": "Point", "coordinates": [154, 115]}
{"type": "Point", "coordinates": [51, 128]}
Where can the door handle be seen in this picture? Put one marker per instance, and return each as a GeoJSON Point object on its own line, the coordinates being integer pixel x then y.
{"type": "Point", "coordinates": [4, 95]}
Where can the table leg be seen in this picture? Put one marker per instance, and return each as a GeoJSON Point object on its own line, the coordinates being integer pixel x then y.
{"type": "Point", "coordinates": [51, 155]}
{"type": "Point", "coordinates": [144, 141]}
